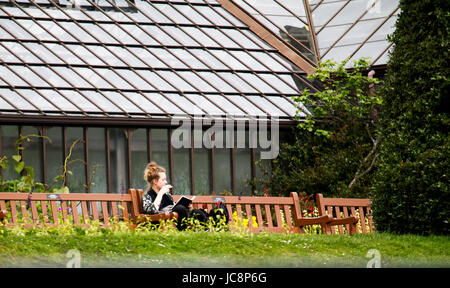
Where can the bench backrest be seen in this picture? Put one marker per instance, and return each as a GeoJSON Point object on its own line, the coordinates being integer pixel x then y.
{"type": "Point", "coordinates": [271, 214]}
{"type": "Point", "coordinates": [77, 208]}
{"type": "Point", "coordinates": [344, 207]}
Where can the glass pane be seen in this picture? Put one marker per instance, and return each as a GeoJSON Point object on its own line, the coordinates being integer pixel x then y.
{"type": "Point", "coordinates": [339, 54]}
{"type": "Point", "coordinates": [226, 105]}
{"type": "Point", "coordinates": [222, 171]}
{"type": "Point", "coordinates": [351, 12]}
{"type": "Point", "coordinates": [201, 101]}
{"type": "Point", "coordinates": [32, 152]}
{"type": "Point", "coordinates": [325, 11]}
{"type": "Point", "coordinates": [97, 160]}
{"type": "Point", "coordinates": [10, 134]}
{"type": "Point", "coordinates": [243, 163]}
{"type": "Point", "coordinates": [199, 83]}
{"type": "Point", "coordinates": [124, 100]}
{"type": "Point", "coordinates": [75, 79]}
{"type": "Point", "coordinates": [54, 155]}
{"type": "Point", "coordinates": [285, 104]}
{"type": "Point", "coordinates": [371, 50]}
{"type": "Point", "coordinates": [188, 106]}
{"type": "Point", "coordinates": [144, 103]}
{"type": "Point", "coordinates": [384, 58]}
{"type": "Point", "coordinates": [266, 105]}
{"type": "Point", "coordinates": [82, 100]}
{"type": "Point", "coordinates": [329, 35]}
{"type": "Point", "coordinates": [263, 170]}
{"type": "Point", "coordinates": [3, 103]}
{"type": "Point", "coordinates": [21, 52]}
{"type": "Point", "coordinates": [160, 148]}
{"type": "Point", "coordinates": [77, 178]}
{"type": "Point", "coordinates": [202, 170]}
{"type": "Point", "coordinates": [181, 165]}
{"type": "Point", "coordinates": [359, 32]}
{"type": "Point", "coordinates": [119, 160]}
{"type": "Point", "coordinates": [226, 15]}
{"type": "Point", "coordinates": [387, 28]}
{"type": "Point", "coordinates": [165, 104]}
{"type": "Point", "coordinates": [38, 99]}
{"type": "Point", "coordinates": [206, 38]}
{"type": "Point", "coordinates": [139, 158]}
{"type": "Point", "coordinates": [249, 107]}
{"type": "Point", "coordinates": [382, 8]}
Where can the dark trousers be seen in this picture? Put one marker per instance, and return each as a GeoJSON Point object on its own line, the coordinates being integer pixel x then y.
{"type": "Point", "coordinates": [184, 214]}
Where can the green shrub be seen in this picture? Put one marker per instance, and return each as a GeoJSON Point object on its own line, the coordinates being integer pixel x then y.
{"type": "Point", "coordinates": [411, 185]}
{"type": "Point", "coordinates": [334, 148]}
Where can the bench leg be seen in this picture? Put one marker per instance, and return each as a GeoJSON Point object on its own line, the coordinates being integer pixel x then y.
{"type": "Point", "coordinates": [353, 228]}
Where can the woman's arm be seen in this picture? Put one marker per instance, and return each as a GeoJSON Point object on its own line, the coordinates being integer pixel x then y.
{"type": "Point", "coordinates": [148, 205]}
{"type": "Point", "coordinates": [152, 207]}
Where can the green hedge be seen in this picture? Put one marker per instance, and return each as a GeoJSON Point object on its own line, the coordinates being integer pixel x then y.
{"type": "Point", "coordinates": [411, 185]}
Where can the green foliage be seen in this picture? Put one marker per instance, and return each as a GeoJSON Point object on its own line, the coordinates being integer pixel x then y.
{"type": "Point", "coordinates": [26, 180]}
{"type": "Point", "coordinates": [334, 148]}
{"type": "Point", "coordinates": [345, 100]}
{"type": "Point", "coordinates": [411, 186]}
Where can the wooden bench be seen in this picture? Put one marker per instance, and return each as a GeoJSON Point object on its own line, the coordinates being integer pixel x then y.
{"type": "Point", "coordinates": [81, 209]}
{"type": "Point", "coordinates": [272, 214]}
{"type": "Point", "coordinates": [350, 215]}
{"type": "Point", "coordinates": [137, 209]}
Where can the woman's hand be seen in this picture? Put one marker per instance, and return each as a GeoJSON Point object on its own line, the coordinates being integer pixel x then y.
{"type": "Point", "coordinates": [165, 189]}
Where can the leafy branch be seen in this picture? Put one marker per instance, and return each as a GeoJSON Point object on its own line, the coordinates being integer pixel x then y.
{"type": "Point", "coordinates": [346, 107]}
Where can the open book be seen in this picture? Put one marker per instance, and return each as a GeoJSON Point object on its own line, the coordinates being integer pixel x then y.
{"type": "Point", "coordinates": [184, 201]}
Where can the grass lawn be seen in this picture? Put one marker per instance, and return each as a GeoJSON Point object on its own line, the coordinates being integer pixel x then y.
{"type": "Point", "coordinates": [206, 249]}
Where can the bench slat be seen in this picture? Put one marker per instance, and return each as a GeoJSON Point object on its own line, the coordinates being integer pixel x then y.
{"type": "Point", "coordinates": [278, 215]}
{"type": "Point", "coordinates": [239, 211]}
{"type": "Point", "coordinates": [230, 212]}
{"type": "Point", "coordinates": [248, 211]}
{"type": "Point", "coordinates": [115, 212]}
{"type": "Point", "coordinates": [2, 205]}
{"type": "Point", "coordinates": [23, 209]}
{"type": "Point", "coordinates": [76, 219]}
{"type": "Point", "coordinates": [345, 202]}
{"type": "Point", "coordinates": [85, 212]}
{"type": "Point", "coordinates": [63, 206]}
{"type": "Point", "coordinates": [268, 216]}
{"type": "Point", "coordinates": [12, 206]}
{"type": "Point", "coordinates": [259, 218]}
{"type": "Point", "coordinates": [45, 217]}
{"type": "Point", "coordinates": [347, 226]}
{"type": "Point", "coordinates": [125, 214]}
{"type": "Point", "coordinates": [362, 220]}
{"type": "Point", "coordinates": [105, 213]}
{"type": "Point", "coordinates": [3, 211]}
{"type": "Point", "coordinates": [94, 209]}
{"type": "Point", "coordinates": [368, 212]}
{"type": "Point", "coordinates": [287, 215]}
{"type": "Point", "coordinates": [34, 212]}
{"type": "Point", "coordinates": [338, 216]}
{"type": "Point", "coordinates": [54, 209]}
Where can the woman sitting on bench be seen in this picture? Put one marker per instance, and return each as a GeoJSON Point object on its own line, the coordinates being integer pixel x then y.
{"type": "Point", "coordinates": [157, 197]}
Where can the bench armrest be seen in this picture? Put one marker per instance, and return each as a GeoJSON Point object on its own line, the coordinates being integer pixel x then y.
{"type": "Point", "coordinates": [313, 221]}
{"type": "Point", "coordinates": [348, 220]}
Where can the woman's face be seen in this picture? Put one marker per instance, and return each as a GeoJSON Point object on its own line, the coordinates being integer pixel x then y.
{"type": "Point", "coordinates": [161, 182]}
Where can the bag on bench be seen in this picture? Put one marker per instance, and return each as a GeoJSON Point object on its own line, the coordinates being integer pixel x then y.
{"type": "Point", "coordinates": [218, 213]}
